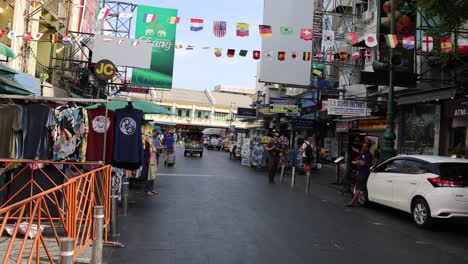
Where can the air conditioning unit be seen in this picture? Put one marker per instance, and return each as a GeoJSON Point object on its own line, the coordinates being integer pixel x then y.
{"type": "Point", "coordinates": [368, 15]}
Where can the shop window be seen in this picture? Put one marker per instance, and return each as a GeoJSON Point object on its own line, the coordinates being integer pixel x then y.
{"type": "Point", "coordinates": [202, 114]}
{"type": "Point", "coordinates": [418, 129]}
{"type": "Point", "coordinates": [179, 112]}
{"type": "Point", "coordinates": [221, 116]}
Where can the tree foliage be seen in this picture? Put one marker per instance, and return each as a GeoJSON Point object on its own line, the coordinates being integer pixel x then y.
{"type": "Point", "coordinates": [452, 15]}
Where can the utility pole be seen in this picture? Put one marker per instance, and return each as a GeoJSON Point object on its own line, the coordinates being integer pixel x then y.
{"type": "Point", "coordinates": [388, 150]}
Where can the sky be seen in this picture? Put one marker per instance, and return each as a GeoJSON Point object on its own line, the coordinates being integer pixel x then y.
{"type": "Point", "coordinates": [200, 69]}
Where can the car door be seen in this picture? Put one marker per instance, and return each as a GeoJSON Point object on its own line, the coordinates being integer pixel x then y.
{"type": "Point", "coordinates": [380, 183]}
{"type": "Point", "coordinates": [407, 182]}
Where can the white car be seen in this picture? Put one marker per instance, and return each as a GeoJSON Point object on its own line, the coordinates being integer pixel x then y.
{"type": "Point", "coordinates": [426, 186]}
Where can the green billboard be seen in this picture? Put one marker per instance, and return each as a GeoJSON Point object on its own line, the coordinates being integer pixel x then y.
{"type": "Point", "coordinates": [162, 33]}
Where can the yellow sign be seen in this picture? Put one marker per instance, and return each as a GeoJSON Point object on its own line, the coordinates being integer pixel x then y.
{"type": "Point", "coordinates": [105, 70]}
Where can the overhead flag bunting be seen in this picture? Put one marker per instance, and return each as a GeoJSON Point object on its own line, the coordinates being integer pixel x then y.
{"type": "Point", "coordinates": [408, 42]}
{"type": "Point", "coordinates": [218, 52]}
{"type": "Point", "coordinates": [54, 38]}
{"type": "Point", "coordinates": [243, 53]}
{"type": "Point", "coordinates": [462, 45]}
{"type": "Point", "coordinates": [371, 40]}
{"type": "Point", "coordinates": [306, 56]}
{"type": "Point", "coordinates": [307, 34]}
{"type": "Point", "coordinates": [328, 38]}
{"type": "Point", "coordinates": [265, 31]}
{"type": "Point", "coordinates": [392, 40]}
{"type": "Point", "coordinates": [189, 47]}
{"type": "Point", "coordinates": [27, 36]}
{"type": "Point", "coordinates": [135, 43]}
{"type": "Point", "coordinates": [11, 34]}
{"type": "Point", "coordinates": [174, 20]}
{"type": "Point", "coordinates": [242, 29]}
{"type": "Point", "coordinates": [206, 48]}
{"type": "Point", "coordinates": [427, 44]}
{"type": "Point", "coordinates": [107, 40]}
{"type": "Point", "coordinates": [446, 45]}
{"type": "Point", "coordinates": [120, 41]}
{"type": "Point", "coordinates": [319, 55]}
{"type": "Point", "coordinates": [126, 15]}
{"type": "Point", "coordinates": [343, 56]}
{"type": "Point", "coordinates": [268, 55]}
{"type": "Point", "coordinates": [286, 31]}
{"type": "Point", "coordinates": [356, 56]}
{"type": "Point", "coordinates": [103, 13]}
{"type": "Point", "coordinates": [219, 29]}
{"type": "Point", "coordinates": [281, 55]}
{"type": "Point", "coordinates": [66, 40]}
{"type": "Point", "coordinates": [352, 38]}
{"type": "Point", "coordinates": [256, 55]}
{"type": "Point", "coordinates": [294, 56]}
{"type": "Point", "coordinates": [37, 36]}
{"type": "Point", "coordinates": [231, 53]}
{"type": "Point", "coordinates": [179, 46]}
{"type": "Point", "coordinates": [196, 24]}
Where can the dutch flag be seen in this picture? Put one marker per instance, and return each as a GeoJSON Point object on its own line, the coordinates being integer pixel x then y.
{"type": "Point", "coordinates": [196, 24]}
{"type": "Point", "coordinates": [148, 18]}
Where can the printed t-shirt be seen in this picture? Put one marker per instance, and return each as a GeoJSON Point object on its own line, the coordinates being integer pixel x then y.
{"type": "Point", "coordinates": [37, 119]}
{"type": "Point", "coordinates": [98, 126]}
{"type": "Point", "coordinates": [128, 146]}
{"type": "Point", "coordinates": [9, 123]}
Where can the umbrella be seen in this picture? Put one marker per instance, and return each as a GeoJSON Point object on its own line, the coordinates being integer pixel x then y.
{"type": "Point", "coordinates": [6, 51]}
{"type": "Point", "coordinates": [146, 107]}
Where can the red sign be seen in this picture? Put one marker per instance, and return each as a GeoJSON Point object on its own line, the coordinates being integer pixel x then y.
{"type": "Point", "coordinates": [140, 90]}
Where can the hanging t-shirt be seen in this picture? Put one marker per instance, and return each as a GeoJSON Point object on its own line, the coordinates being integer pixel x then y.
{"type": "Point", "coordinates": [70, 133]}
{"type": "Point", "coordinates": [98, 126]}
{"type": "Point", "coordinates": [10, 121]}
{"type": "Point", "coordinates": [128, 147]}
{"type": "Point", "coordinates": [37, 119]}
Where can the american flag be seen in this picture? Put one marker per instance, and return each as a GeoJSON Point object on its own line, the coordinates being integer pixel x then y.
{"type": "Point", "coordinates": [219, 28]}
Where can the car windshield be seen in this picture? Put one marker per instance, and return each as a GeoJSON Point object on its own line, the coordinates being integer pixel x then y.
{"type": "Point", "coordinates": [454, 171]}
{"type": "Point", "coordinates": [193, 137]}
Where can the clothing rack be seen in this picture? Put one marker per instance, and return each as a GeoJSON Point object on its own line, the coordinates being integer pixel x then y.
{"type": "Point", "coordinates": [77, 100]}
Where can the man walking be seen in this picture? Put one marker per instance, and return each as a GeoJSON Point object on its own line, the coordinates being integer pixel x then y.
{"type": "Point", "coordinates": [157, 144]}
{"type": "Point", "coordinates": [169, 146]}
{"type": "Point", "coordinates": [273, 149]}
{"type": "Point", "coordinates": [364, 163]}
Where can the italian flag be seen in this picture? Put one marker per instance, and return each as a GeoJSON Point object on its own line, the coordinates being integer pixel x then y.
{"type": "Point", "coordinates": [103, 13]}
{"type": "Point", "coordinates": [135, 43]}
{"type": "Point", "coordinates": [352, 38]}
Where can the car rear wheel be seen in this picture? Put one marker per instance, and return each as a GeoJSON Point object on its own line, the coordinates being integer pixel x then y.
{"type": "Point", "coordinates": [421, 213]}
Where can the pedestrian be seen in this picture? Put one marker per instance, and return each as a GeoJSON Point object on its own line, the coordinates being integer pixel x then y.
{"type": "Point", "coordinates": [363, 164]}
{"type": "Point", "coordinates": [157, 142]}
{"type": "Point", "coordinates": [273, 149]}
{"type": "Point", "coordinates": [307, 156]}
{"type": "Point", "coordinates": [149, 167]}
{"type": "Point", "coordinates": [169, 147]}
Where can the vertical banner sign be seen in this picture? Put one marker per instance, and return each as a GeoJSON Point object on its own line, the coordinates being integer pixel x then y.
{"type": "Point", "coordinates": [162, 33]}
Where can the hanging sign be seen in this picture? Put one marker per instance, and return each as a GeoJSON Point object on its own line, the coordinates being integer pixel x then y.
{"type": "Point", "coordinates": [246, 112]}
{"type": "Point", "coordinates": [347, 107]}
{"type": "Point", "coordinates": [288, 106]}
{"type": "Point", "coordinates": [162, 34]}
{"type": "Point", "coordinates": [105, 70]}
{"type": "Point", "coordinates": [456, 108]}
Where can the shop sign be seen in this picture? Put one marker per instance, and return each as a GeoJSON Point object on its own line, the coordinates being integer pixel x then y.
{"type": "Point", "coordinates": [139, 90]}
{"type": "Point", "coordinates": [343, 126]}
{"type": "Point", "coordinates": [105, 70]}
{"type": "Point", "coordinates": [372, 124]}
{"type": "Point", "coordinates": [246, 112]}
{"type": "Point", "coordinates": [347, 107]}
{"type": "Point", "coordinates": [264, 111]}
{"type": "Point", "coordinates": [287, 106]}
{"type": "Point", "coordinates": [457, 108]}
{"type": "Point", "coordinates": [302, 123]}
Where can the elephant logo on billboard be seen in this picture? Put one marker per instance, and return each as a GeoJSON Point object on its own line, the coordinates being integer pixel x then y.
{"type": "Point", "coordinates": [149, 32]}
{"type": "Point", "coordinates": [161, 33]}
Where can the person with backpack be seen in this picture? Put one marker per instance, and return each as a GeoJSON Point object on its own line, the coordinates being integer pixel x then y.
{"type": "Point", "coordinates": [273, 149]}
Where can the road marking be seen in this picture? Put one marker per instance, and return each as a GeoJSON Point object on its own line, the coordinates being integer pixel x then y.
{"type": "Point", "coordinates": [377, 223]}
{"type": "Point", "coordinates": [186, 175]}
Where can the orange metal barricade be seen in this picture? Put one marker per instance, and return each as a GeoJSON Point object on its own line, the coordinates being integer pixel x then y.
{"type": "Point", "coordinates": [51, 210]}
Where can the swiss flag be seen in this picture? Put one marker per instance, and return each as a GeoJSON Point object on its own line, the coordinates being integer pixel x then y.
{"type": "Point", "coordinates": [307, 34]}
{"type": "Point", "coordinates": [256, 55]}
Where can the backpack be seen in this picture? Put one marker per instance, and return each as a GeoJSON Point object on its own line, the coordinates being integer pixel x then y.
{"type": "Point", "coordinates": [308, 151]}
{"type": "Point", "coordinates": [171, 158]}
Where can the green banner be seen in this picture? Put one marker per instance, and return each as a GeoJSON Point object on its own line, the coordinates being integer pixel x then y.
{"type": "Point", "coordinates": [163, 35]}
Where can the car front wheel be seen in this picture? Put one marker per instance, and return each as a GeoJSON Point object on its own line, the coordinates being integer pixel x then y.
{"type": "Point", "coordinates": [421, 213]}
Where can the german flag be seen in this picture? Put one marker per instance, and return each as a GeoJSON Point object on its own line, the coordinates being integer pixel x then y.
{"type": "Point", "coordinates": [54, 38]}
{"type": "Point", "coordinates": [265, 31]}
{"type": "Point", "coordinates": [306, 56]}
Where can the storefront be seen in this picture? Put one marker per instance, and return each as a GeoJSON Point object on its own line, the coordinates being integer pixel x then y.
{"type": "Point", "coordinates": [454, 131]}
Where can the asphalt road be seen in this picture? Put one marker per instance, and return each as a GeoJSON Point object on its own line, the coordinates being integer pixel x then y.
{"type": "Point", "coordinates": [213, 210]}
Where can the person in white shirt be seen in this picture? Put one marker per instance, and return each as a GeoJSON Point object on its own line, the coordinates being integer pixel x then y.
{"type": "Point", "coordinates": [307, 156]}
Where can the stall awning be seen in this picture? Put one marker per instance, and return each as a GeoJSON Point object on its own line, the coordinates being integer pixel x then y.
{"type": "Point", "coordinates": [7, 52]}
{"type": "Point", "coordinates": [10, 86]}
{"type": "Point", "coordinates": [428, 96]}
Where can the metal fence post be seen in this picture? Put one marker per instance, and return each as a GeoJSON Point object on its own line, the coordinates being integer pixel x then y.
{"type": "Point", "coordinates": [98, 229]}
{"type": "Point", "coordinates": [293, 177]}
{"type": "Point", "coordinates": [115, 214]}
{"type": "Point", "coordinates": [66, 250]}
{"type": "Point", "coordinates": [307, 187]}
{"type": "Point", "coordinates": [282, 173]}
{"type": "Point", "coordinates": [125, 196]}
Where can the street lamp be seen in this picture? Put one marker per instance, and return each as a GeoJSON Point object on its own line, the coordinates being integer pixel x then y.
{"type": "Point", "coordinates": [388, 150]}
